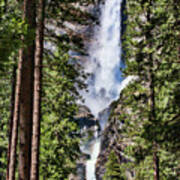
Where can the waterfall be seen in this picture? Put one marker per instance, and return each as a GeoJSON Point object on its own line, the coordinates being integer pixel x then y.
{"type": "Point", "coordinates": [105, 82]}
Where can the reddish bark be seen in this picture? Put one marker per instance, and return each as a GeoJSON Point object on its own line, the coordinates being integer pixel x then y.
{"type": "Point", "coordinates": [37, 91]}
{"type": "Point", "coordinates": [13, 144]}
{"type": "Point", "coordinates": [26, 95]}
{"type": "Point", "coordinates": [13, 89]}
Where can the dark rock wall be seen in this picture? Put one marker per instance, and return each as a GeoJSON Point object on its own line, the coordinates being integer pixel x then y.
{"type": "Point", "coordinates": [111, 137]}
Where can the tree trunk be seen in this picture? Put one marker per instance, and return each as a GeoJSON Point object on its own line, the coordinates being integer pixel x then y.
{"type": "Point", "coordinates": [152, 118]}
{"type": "Point", "coordinates": [156, 166]}
{"type": "Point", "coordinates": [26, 95]}
{"type": "Point", "coordinates": [37, 91]}
{"type": "Point", "coordinates": [13, 144]}
{"type": "Point", "coordinates": [152, 103]}
{"type": "Point", "coordinates": [13, 89]}
{"type": "Point", "coordinates": [5, 6]}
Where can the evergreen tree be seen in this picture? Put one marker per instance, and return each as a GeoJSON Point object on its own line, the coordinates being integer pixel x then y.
{"type": "Point", "coordinates": [37, 90]}
{"type": "Point", "coordinates": [26, 59]}
{"type": "Point", "coordinates": [151, 53]}
{"type": "Point", "coordinates": [11, 28]}
{"type": "Point", "coordinates": [113, 168]}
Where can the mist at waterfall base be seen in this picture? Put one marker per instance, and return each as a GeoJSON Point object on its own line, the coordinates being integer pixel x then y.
{"type": "Point", "coordinates": [105, 81]}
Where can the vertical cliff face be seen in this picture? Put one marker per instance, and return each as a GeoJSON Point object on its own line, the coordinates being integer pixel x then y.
{"type": "Point", "coordinates": [111, 138]}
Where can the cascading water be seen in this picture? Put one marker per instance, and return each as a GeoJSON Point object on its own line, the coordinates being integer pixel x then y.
{"type": "Point", "coordinates": [104, 85]}
{"type": "Point", "coordinates": [105, 82]}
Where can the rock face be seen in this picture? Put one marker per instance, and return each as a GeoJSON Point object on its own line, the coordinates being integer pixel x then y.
{"type": "Point", "coordinates": [82, 34]}
{"type": "Point", "coordinates": [85, 118]}
{"type": "Point", "coordinates": [87, 123]}
{"type": "Point", "coordinates": [111, 139]}
{"type": "Point", "coordinates": [110, 133]}
{"type": "Point", "coordinates": [81, 169]}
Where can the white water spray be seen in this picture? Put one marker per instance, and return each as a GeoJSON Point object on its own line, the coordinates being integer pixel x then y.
{"type": "Point", "coordinates": [106, 81]}
{"type": "Point", "coordinates": [105, 85]}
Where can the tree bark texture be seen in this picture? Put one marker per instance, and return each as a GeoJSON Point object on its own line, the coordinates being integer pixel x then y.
{"type": "Point", "coordinates": [26, 91]}
{"type": "Point", "coordinates": [156, 166]}
{"type": "Point", "coordinates": [13, 90]}
{"type": "Point", "coordinates": [37, 91]}
{"type": "Point", "coordinates": [14, 138]}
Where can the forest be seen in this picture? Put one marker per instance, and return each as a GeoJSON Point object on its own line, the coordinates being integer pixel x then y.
{"type": "Point", "coordinates": [90, 90]}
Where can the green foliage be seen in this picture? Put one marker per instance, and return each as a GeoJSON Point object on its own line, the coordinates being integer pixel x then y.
{"type": "Point", "coordinates": [4, 116]}
{"type": "Point", "coordinates": [113, 171]}
{"type": "Point", "coordinates": [61, 78]}
{"type": "Point", "coordinates": [11, 28]}
{"type": "Point", "coordinates": [59, 132]}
